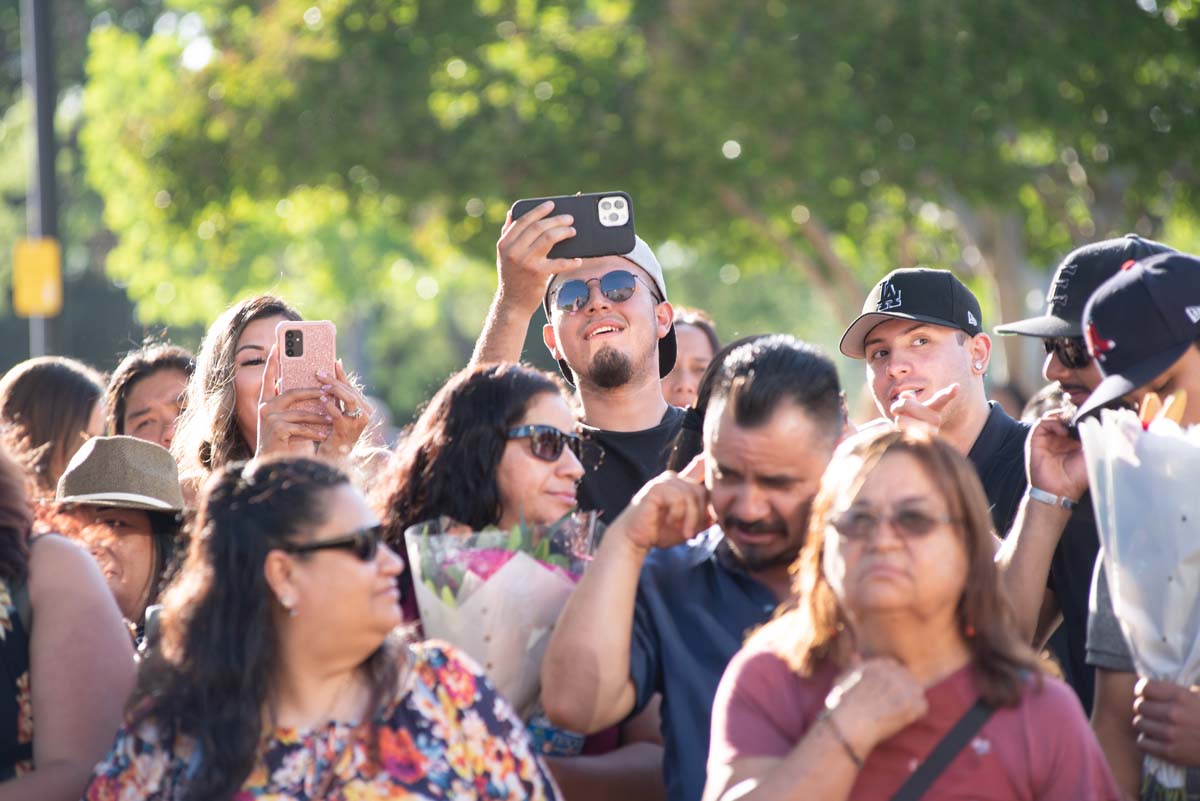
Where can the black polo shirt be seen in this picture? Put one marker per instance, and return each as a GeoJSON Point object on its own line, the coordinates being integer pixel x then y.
{"type": "Point", "coordinates": [999, 457]}
{"type": "Point", "coordinates": [630, 459]}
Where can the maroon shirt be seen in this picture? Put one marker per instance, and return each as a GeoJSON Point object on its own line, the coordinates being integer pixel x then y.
{"type": "Point", "coordinates": [1042, 749]}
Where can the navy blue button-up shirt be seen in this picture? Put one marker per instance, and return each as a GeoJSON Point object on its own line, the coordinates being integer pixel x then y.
{"type": "Point", "coordinates": [695, 606]}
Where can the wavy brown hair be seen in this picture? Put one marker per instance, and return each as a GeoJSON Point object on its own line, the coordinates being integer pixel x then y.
{"type": "Point", "coordinates": [447, 464]}
{"type": "Point", "coordinates": [207, 436]}
{"type": "Point", "coordinates": [16, 520]}
{"type": "Point", "coordinates": [816, 628]}
{"type": "Point", "coordinates": [45, 404]}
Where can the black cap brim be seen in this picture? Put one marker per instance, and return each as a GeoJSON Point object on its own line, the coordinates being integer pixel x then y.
{"type": "Point", "coordinates": [1117, 386]}
{"type": "Point", "coordinates": [668, 348]}
{"type": "Point", "coordinates": [853, 342]}
{"type": "Point", "coordinates": [1045, 326]}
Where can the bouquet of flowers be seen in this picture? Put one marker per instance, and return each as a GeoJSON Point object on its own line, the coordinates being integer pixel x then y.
{"type": "Point", "coordinates": [497, 594]}
{"type": "Point", "coordinates": [1144, 473]}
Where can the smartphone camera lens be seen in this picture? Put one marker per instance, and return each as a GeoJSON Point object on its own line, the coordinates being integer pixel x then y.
{"type": "Point", "coordinates": [614, 218]}
{"type": "Point", "coordinates": [293, 344]}
{"type": "Point", "coordinates": [605, 205]}
{"type": "Point", "coordinates": [618, 204]}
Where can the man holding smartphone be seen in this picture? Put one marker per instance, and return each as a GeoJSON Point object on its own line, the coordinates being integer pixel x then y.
{"type": "Point", "coordinates": [609, 328]}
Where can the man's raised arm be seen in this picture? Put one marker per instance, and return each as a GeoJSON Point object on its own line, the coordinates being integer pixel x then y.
{"type": "Point", "coordinates": [523, 270]}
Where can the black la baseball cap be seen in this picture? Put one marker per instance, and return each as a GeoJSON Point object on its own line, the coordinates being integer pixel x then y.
{"type": "Point", "coordinates": [916, 293]}
{"type": "Point", "coordinates": [1077, 277]}
{"type": "Point", "coordinates": [1140, 322]}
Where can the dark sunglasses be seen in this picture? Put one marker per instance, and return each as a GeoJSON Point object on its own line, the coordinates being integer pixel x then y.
{"type": "Point", "coordinates": [1071, 351]}
{"type": "Point", "coordinates": [908, 523]}
{"type": "Point", "coordinates": [617, 286]}
{"type": "Point", "coordinates": [547, 442]}
{"type": "Point", "coordinates": [363, 543]}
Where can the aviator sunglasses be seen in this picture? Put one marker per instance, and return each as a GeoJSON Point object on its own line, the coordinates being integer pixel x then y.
{"type": "Point", "coordinates": [617, 286]}
{"type": "Point", "coordinates": [859, 526]}
{"type": "Point", "coordinates": [363, 543]}
{"type": "Point", "coordinates": [1071, 351]}
{"type": "Point", "coordinates": [547, 442]}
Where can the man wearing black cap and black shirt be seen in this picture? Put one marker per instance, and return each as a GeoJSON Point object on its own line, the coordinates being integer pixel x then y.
{"type": "Point", "coordinates": [1143, 328]}
{"type": "Point", "coordinates": [921, 335]}
{"type": "Point", "coordinates": [1048, 558]}
{"type": "Point", "coordinates": [613, 340]}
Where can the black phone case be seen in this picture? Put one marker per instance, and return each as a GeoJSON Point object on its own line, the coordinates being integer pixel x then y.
{"type": "Point", "coordinates": [591, 238]}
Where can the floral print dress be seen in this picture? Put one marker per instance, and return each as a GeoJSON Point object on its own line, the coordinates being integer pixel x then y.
{"type": "Point", "coordinates": [16, 707]}
{"type": "Point", "coordinates": [449, 735]}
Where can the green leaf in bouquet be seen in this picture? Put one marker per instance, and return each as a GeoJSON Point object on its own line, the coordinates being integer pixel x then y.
{"type": "Point", "coordinates": [515, 537]}
{"type": "Point", "coordinates": [455, 576]}
{"type": "Point", "coordinates": [448, 598]}
{"type": "Point", "coordinates": [542, 551]}
{"type": "Point", "coordinates": [558, 560]}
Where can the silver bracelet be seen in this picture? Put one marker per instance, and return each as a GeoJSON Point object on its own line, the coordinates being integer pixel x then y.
{"type": "Point", "coordinates": [1041, 496]}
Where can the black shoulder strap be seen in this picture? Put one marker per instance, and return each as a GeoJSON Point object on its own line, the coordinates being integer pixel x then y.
{"type": "Point", "coordinates": [944, 752]}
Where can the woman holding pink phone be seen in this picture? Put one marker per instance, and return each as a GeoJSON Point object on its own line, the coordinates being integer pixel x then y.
{"type": "Point", "coordinates": [236, 407]}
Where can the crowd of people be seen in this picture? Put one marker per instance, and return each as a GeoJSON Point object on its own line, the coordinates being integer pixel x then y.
{"type": "Point", "coordinates": [205, 589]}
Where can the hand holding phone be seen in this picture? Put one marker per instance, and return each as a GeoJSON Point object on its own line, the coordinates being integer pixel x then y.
{"type": "Point", "coordinates": [602, 221]}
{"type": "Point", "coordinates": [545, 236]}
{"type": "Point", "coordinates": [292, 415]}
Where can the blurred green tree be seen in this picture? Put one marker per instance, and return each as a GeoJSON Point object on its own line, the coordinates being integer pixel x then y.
{"type": "Point", "coordinates": [358, 156]}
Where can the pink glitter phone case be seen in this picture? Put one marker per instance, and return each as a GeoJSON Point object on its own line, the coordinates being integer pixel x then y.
{"type": "Point", "coordinates": [304, 348]}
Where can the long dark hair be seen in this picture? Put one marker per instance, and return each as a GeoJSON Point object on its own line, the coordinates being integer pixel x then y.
{"type": "Point", "coordinates": [45, 404]}
{"type": "Point", "coordinates": [217, 655]}
{"type": "Point", "coordinates": [207, 436]}
{"type": "Point", "coordinates": [16, 520]}
{"type": "Point", "coordinates": [138, 364]}
{"type": "Point", "coordinates": [447, 464]}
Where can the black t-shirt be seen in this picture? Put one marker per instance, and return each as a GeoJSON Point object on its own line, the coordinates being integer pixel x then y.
{"type": "Point", "coordinates": [999, 457]}
{"type": "Point", "coordinates": [631, 458]}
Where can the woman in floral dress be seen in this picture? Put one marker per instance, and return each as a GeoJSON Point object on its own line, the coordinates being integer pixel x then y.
{"type": "Point", "coordinates": [279, 673]}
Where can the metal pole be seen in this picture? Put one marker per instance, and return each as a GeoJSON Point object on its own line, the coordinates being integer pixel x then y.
{"type": "Point", "coordinates": [37, 69]}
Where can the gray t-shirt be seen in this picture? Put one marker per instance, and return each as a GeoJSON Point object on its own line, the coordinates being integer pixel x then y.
{"type": "Point", "coordinates": [1106, 646]}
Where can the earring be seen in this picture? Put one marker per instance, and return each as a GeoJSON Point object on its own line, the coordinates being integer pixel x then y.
{"type": "Point", "coordinates": [978, 365]}
{"type": "Point", "coordinates": [290, 605]}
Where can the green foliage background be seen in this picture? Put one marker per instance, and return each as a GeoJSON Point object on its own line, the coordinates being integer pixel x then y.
{"type": "Point", "coordinates": [358, 156]}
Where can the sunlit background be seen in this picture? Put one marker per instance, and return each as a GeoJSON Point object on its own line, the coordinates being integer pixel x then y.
{"type": "Point", "coordinates": [358, 156]}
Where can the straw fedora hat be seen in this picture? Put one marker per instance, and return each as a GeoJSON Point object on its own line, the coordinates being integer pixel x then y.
{"type": "Point", "coordinates": [124, 472]}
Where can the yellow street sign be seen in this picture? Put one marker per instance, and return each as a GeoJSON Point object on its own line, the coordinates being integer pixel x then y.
{"type": "Point", "coordinates": [37, 278]}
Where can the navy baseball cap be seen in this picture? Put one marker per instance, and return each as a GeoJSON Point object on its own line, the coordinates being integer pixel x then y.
{"type": "Point", "coordinates": [915, 293]}
{"type": "Point", "coordinates": [1139, 323]}
{"type": "Point", "coordinates": [1077, 277]}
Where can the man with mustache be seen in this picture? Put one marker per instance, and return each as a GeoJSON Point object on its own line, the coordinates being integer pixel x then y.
{"type": "Point", "coordinates": [921, 336]}
{"type": "Point", "coordinates": [656, 613]}
{"type": "Point", "coordinates": [610, 329]}
{"type": "Point", "coordinates": [1047, 560]}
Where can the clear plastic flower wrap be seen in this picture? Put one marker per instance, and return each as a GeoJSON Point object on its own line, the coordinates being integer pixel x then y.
{"type": "Point", "coordinates": [1145, 487]}
{"type": "Point", "coordinates": [497, 594]}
